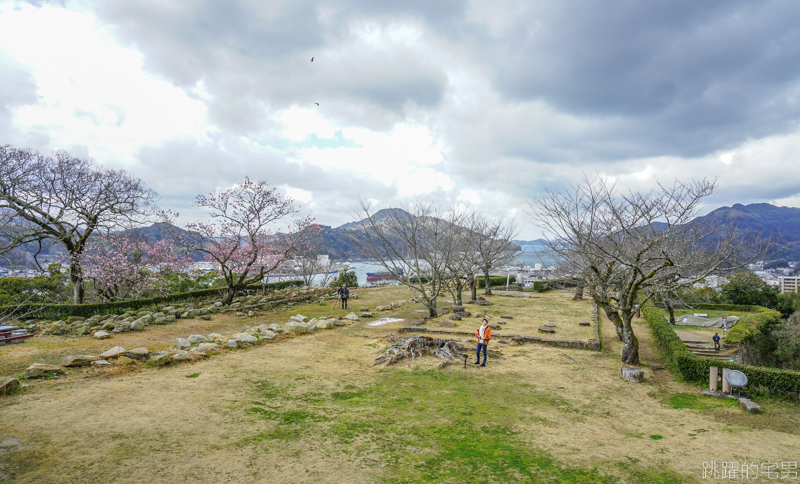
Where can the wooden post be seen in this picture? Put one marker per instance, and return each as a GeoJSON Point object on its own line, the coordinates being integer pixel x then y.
{"type": "Point", "coordinates": [726, 387]}
{"type": "Point", "coordinates": [712, 378]}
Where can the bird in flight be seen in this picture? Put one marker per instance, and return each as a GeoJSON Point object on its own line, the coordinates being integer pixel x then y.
{"type": "Point", "coordinates": [317, 104]}
{"type": "Point", "coordinates": [312, 59]}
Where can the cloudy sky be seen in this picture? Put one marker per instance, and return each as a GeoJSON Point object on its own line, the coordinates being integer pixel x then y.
{"type": "Point", "coordinates": [477, 103]}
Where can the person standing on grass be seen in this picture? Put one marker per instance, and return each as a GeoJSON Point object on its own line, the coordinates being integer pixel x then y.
{"type": "Point", "coordinates": [344, 293]}
{"type": "Point", "coordinates": [716, 341]}
{"type": "Point", "coordinates": [484, 334]}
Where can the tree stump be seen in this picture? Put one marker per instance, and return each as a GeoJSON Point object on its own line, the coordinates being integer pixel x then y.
{"type": "Point", "coordinates": [633, 375]}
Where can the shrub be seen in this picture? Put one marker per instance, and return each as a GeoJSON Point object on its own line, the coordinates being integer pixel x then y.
{"type": "Point", "coordinates": [695, 368]}
{"type": "Point", "coordinates": [496, 281]}
{"type": "Point", "coordinates": [544, 286]}
{"type": "Point", "coordinates": [347, 278]}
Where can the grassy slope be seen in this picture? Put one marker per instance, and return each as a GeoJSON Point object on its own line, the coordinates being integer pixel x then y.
{"type": "Point", "coordinates": [313, 409]}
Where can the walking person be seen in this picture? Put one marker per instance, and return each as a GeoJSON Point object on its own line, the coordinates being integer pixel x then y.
{"type": "Point", "coordinates": [344, 293]}
{"type": "Point", "coordinates": [484, 334]}
{"type": "Point", "coordinates": [716, 341]}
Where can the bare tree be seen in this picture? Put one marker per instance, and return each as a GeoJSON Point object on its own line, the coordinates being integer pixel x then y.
{"type": "Point", "coordinates": [414, 241]}
{"type": "Point", "coordinates": [311, 261]}
{"type": "Point", "coordinates": [629, 247]}
{"type": "Point", "coordinates": [495, 245]}
{"type": "Point", "coordinates": [66, 199]}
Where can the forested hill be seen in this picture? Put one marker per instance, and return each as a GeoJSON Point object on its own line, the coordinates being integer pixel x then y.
{"type": "Point", "coordinates": [769, 220]}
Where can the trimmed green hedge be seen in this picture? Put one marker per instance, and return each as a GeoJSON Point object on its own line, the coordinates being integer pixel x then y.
{"type": "Point", "coordinates": [496, 281]}
{"type": "Point", "coordinates": [695, 368]}
{"type": "Point", "coordinates": [60, 311]}
{"type": "Point", "coordinates": [544, 286]}
{"type": "Point", "coordinates": [722, 307]}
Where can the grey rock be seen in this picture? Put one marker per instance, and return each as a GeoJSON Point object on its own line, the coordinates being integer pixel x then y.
{"type": "Point", "coordinates": [161, 358]}
{"type": "Point", "coordinates": [457, 309]}
{"type": "Point", "coordinates": [232, 344]}
{"type": "Point", "coordinates": [351, 317]}
{"type": "Point", "coordinates": [205, 317]}
{"type": "Point", "coordinates": [196, 338]}
{"type": "Point", "coordinates": [138, 354]}
{"type": "Point", "coordinates": [9, 384]}
{"type": "Point", "coordinates": [267, 334]}
{"type": "Point", "coordinates": [122, 327]}
{"type": "Point", "coordinates": [182, 355]}
{"type": "Point", "coordinates": [584, 323]}
{"type": "Point", "coordinates": [114, 352]}
{"type": "Point", "coordinates": [447, 324]}
{"type": "Point", "coordinates": [504, 341]}
{"type": "Point", "coordinates": [507, 317]}
{"type": "Point", "coordinates": [206, 348]}
{"type": "Point", "coordinates": [100, 363]}
{"type": "Point", "coordinates": [78, 360]}
{"type": "Point", "coordinates": [102, 334]}
{"type": "Point", "coordinates": [365, 314]}
{"type": "Point", "coordinates": [182, 343]}
{"type": "Point", "coordinates": [216, 338]}
{"type": "Point", "coordinates": [464, 314]}
{"type": "Point", "coordinates": [454, 317]}
{"type": "Point", "coordinates": [39, 370]}
{"type": "Point", "coordinates": [244, 338]}
{"type": "Point", "coordinates": [547, 330]}
{"type": "Point", "coordinates": [633, 375]}
{"type": "Point", "coordinates": [749, 405]}
{"type": "Point", "coordinates": [138, 325]}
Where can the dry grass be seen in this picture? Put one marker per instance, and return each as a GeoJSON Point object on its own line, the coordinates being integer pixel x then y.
{"type": "Point", "coordinates": [313, 409]}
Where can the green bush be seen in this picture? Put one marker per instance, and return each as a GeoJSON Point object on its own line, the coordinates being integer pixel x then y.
{"type": "Point", "coordinates": [695, 368]}
{"type": "Point", "coordinates": [496, 281]}
{"type": "Point", "coordinates": [749, 328]}
{"type": "Point", "coordinates": [61, 311]}
{"type": "Point", "coordinates": [347, 278]}
{"type": "Point", "coordinates": [544, 286]}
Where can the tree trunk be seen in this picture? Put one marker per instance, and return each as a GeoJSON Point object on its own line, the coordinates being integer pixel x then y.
{"type": "Point", "coordinates": [76, 279]}
{"type": "Point", "coordinates": [613, 316]}
{"type": "Point", "coordinates": [230, 292]}
{"type": "Point", "coordinates": [487, 290]}
{"type": "Point", "coordinates": [473, 288]}
{"type": "Point", "coordinates": [432, 312]}
{"type": "Point", "coordinates": [578, 292]}
{"type": "Point", "coordinates": [630, 350]}
{"type": "Point", "coordinates": [671, 310]}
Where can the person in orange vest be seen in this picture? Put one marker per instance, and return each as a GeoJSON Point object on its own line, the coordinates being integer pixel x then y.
{"type": "Point", "coordinates": [484, 334]}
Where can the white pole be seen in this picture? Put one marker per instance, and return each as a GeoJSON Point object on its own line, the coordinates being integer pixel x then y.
{"type": "Point", "coordinates": [726, 387]}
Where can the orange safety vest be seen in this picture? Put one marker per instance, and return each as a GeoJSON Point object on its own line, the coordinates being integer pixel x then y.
{"type": "Point", "coordinates": [487, 335]}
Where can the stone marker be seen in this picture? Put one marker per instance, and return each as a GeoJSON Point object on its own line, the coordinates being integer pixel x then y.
{"type": "Point", "coordinates": [634, 375]}
{"type": "Point", "coordinates": [38, 370]}
{"type": "Point", "coordinates": [78, 360]}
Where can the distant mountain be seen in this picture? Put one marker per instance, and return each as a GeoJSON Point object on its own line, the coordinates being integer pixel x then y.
{"type": "Point", "coordinates": [530, 242]}
{"type": "Point", "coordinates": [379, 216]}
{"type": "Point", "coordinates": [781, 224]}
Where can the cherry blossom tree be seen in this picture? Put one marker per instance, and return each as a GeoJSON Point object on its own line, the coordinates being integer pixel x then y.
{"type": "Point", "coordinates": [243, 236]}
{"type": "Point", "coordinates": [125, 267]}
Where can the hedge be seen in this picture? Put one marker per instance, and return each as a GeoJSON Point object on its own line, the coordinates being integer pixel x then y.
{"type": "Point", "coordinates": [60, 311]}
{"type": "Point", "coordinates": [721, 307]}
{"type": "Point", "coordinates": [496, 281]}
{"type": "Point", "coordinates": [695, 368]}
{"type": "Point", "coordinates": [544, 286]}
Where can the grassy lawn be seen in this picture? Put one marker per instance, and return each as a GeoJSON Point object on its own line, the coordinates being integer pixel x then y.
{"type": "Point", "coordinates": [530, 313]}
{"type": "Point", "coordinates": [313, 408]}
